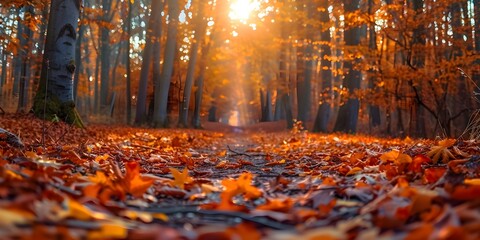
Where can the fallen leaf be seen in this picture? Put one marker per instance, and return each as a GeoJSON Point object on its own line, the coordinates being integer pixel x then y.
{"type": "Point", "coordinates": [181, 178]}
{"type": "Point", "coordinates": [135, 183]}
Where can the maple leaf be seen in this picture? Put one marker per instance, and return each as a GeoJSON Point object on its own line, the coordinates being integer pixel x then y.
{"type": "Point", "coordinates": [280, 205]}
{"type": "Point", "coordinates": [244, 183]}
{"type": "Point", "coordinates": [181, 178]}
{"type": "Point", "coordinates": [135, 183]}
{"type": "Point", "coordinates": [234, 187]}
{"type": "Point", "coordinates": [396, 156]}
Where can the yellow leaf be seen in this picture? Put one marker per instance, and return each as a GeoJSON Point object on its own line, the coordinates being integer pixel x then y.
{"type": "Point", "coordinates": [109, 231]}
{"type": "Point", "coordinates": [78, 211]}
{"type": "Point", "coordinates": [403, 158]}
{"type": "Point", "coordinates": [134, 215]}
{"type": "Point", "coordinates": [160, 216]}
{"type": "Point", "coordinates": [10, 217]}
{"type": "Point", "coordinates": [222, 153]}
{"type": "Point", "coordinates": [472, 181]}
{"type": "Point", "coordinates": [390, 156]}
{"type": "Point", "coordinates": [396, 156]}
{"type": "Point", "coordinates": [181, 178]}
{"type": "Point", "coordinates": [31, 155]}
{"type": "Point", "coordinates": [354, 171]}
{"type": "Point", "coordinates": [101, 158]}
{"type": "Point", "coordinates": [99, 178]}
{"type": "Point", "coordinates": [446, 142]}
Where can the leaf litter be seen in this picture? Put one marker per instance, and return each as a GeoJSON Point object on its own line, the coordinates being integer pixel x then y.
{"type": "Point", "coordinates": [131, 183]}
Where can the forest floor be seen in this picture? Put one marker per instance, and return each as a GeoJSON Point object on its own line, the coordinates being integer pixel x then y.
{"type": "Point", "coordinates": [117, 182]}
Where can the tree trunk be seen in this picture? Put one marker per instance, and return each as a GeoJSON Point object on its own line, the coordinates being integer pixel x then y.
{"type": "Point", "coordinates": [199, 33]}
{"type": "Point", "coordinates": [3, 77]}
{"type": "Point", "coordinates": [127, 63]}
{"type": "Point", "coordinates": [17, 60]}
{"type": "Point", "coordinates": [267, 107]}
{"type": "Point", "coordinates": [279, 113]}
{"type": "Point", "coordinates": [162, 85]}
{"type": "Point", "coordinates": [26, 43]}
{"type": "Point", "coordinates": [155, 18]}
{"type": "Point", "coordinates": [348, 113]}
{"type": "Point", "coordinates": [196, 122]}
{"type": "Point", "coordinates": [323, 113]}
{"type": "Point", "coordinates": [283, 98]}
{"type": "Point", "coordinates": [374, 110]}
{"type": "Point", "coordinates": [418, 61]}
{"type": "Point", "coordinates": [105, 54]}
{"type": "Point", "coordinates": [78, 58]}
{"type": "Point", "coordinates": [55, 93]}
{"type": "Point", "coordinates": [304, 66]}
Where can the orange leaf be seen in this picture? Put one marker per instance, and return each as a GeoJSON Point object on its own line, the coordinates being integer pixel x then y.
{"type": "Point", "coordinates": [280, 205]}
{"type": "Point", "coordinates": [99, 178]}
{"type": "Point", "coordinates": [354, 171]}
{"type": "Point", "coordinates": [396, 156]}
{"type": "Point", "coordinates": [245, 183]}
{"type": "Point", "coordinates": [101, 158]}
{"type": "Point", "coordinates": [135, 183]}
{"type": "Point", "coordinates": [466, 192]}
{"type": "Point", "coordinates": [446, 142]}
{"type": "Point", "coordinates": [472, 181]}
{"type": "Point", "coordinates": [181, 178]}
{"type": "Point", "coordinates": [432, 174]}
{"type": "Point", "coordinates": [418, 161]}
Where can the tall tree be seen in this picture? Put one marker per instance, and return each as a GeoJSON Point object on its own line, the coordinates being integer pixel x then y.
{"type": "Point", "coordinates": [305, 63]}
{"type": "Point", "coordinates": [374, 110]}
{"type": "Point", "coordinates": [55, 93]}
{"type": "Point", "coordinates": [323, 112]}
{"type": "Point", "coordinates": [476, 73]}
{"type": "Point", "coordinates": [416, 58]}
{"type": "Point", "coordinates": [348, 113]}
{"type": "Point", "coordinates": [200, 26]}
{"type": "Point", "coordinates": [162, 84]}
{"type": "Point", "coordinates": [127, 62]}
{"type": "Point", "coordinates": [25, 54]}
{"type": "Point", "coordinates": [153, 34]}
{"type": "Point", "coordinates": [105, 50]}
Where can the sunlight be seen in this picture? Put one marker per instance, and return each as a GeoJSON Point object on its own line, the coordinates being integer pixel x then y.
{"type": "Point", "coordinates": [241, 9]}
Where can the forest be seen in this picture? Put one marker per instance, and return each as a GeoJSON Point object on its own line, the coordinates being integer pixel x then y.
{"type": "Point", "coordinates": [239, 119]}
{"type": "Point", "coordinates": [391, 68]}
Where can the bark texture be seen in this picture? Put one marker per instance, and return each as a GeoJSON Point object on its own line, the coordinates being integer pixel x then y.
{"type": "Point", "coordinates": [56, 81]}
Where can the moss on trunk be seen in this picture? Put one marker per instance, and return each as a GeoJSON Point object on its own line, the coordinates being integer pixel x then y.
{"type": "Point", "coordinates": [55, 109]}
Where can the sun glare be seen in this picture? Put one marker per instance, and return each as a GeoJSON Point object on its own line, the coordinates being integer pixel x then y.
{"type": "Point", "coordinates": [241, 9]}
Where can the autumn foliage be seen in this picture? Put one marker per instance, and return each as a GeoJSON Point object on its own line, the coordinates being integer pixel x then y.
{"type": "Point", "coordinates": [120, 182]}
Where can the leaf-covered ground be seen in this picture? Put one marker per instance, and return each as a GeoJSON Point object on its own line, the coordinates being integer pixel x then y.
{"type": "Point", "coordinates": [59, 182]}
